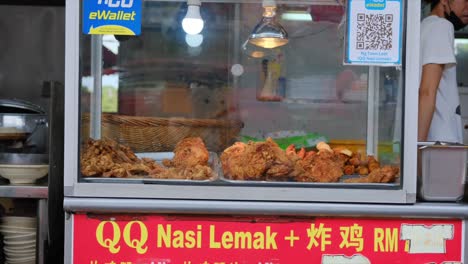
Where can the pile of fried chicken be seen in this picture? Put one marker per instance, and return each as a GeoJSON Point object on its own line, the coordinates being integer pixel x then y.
{"type": "Point", "coordinates": [262, 161]}
{"type": "Point", "coordinates": [107, 158]}
{"type": "Point", "coordinates": [259, 161]}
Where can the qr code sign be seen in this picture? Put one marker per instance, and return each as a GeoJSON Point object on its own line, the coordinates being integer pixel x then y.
{"type": "Point", "coordinates": [374, 31]}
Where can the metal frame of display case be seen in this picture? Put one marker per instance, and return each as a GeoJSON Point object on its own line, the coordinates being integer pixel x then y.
{"type": "Point", "coordinates": [403, 194]}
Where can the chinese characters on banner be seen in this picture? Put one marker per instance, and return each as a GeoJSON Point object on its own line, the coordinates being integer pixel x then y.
{"type": "Point", "coordinates": [155, 239]}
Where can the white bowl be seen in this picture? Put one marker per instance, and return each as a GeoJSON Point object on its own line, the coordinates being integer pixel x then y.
{"type": "Point", "coordinates": [20, 229]}
{"type": "Point", "coordinates": [10, 242]}
{"type": "Point", "coordinates": [21, 174]}
{"type": "Point", "coordinates": [20, 247]}
{"type": "Point", "coordinates": [16, 232]}
{"type": "Point", "coordinates": [14, 255]}
{"type": "Point", "coordinates": [22, 237]}
{"type": "Point", "coordinates": [24, 243]}
{"type": "Point", "coordinates": [22, 251]}
{"type": "Point", "coordinates": [20, 260]}
{"type": "Point", "coordinates": [32, 261]}
{"type": "Point", "coordinates": [21, 221]}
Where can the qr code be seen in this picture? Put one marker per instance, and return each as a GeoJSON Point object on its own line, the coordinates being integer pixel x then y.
{"type": "Point", "coordinates": [374, 31]}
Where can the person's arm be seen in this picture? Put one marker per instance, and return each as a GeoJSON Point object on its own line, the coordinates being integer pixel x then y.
{"type": "Point", "coordinates": [431, 75]}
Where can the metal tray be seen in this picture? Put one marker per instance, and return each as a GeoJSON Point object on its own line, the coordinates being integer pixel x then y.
{"type": "Point", "coordinates": [213, 162]}
{"type": "Point", "coordinates": [442, 171]}
{"type": "Point", "coordinates": [340, 184]}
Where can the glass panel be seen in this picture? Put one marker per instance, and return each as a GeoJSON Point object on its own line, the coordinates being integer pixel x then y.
{"type": "Point", "coordinates": [164, 86]}
{"type": "Point", "coordinates": [461, 52]}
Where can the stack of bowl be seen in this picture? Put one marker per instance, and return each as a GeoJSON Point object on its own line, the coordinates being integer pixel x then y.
{"type": "Point", "coordinates": [19, 239]}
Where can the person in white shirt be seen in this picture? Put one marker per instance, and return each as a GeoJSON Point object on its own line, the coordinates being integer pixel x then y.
{"type": "Point", "coordinates": [439, 102]}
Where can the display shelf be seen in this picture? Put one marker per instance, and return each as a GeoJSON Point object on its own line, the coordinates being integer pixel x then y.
{"type": "Point", "coordinates": [164, 206]}
{"type": "Point", "coordinates": [38, 190]}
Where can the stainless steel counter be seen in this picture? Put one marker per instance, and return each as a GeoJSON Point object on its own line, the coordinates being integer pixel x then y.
{"type": "Point", "coordinates": [24, 191]}
{"type": "Point", "coordinates": [116, 205]}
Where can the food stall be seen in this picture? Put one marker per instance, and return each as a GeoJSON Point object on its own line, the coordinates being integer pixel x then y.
{"type": "Point", "coordinates": [248, 132]}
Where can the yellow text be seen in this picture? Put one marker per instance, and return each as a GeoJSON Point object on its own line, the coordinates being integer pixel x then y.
{"type": "Point", "coordinates": [108, 15]}
{"type": "Point", "coordinates": [386, 240]}
{"type": "Point", "coordinates": [243, 240]}
{"type": "Point", "coordinates": [138, 244]}
{"type": "Point", "coordinates": [109, 242]}
{"type": "Point", "coordinates": [177, 238]}
{"type": "Point", "coordinates": [351, 236]}
{"type": "Point", "coordinates": [321, 233]}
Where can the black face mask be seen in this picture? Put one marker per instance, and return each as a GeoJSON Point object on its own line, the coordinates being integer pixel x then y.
{"type": "Point", "coordinates": [455, 20]}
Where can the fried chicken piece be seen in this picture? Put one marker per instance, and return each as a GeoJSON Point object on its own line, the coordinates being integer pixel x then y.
{"type": "Point", "coordinates": [291, 150]}
{"type": "Point", "coordinates": [197, 172]}
{"type": "Point", "coordinates": [189, 152]}
{"type": "Point", "coordinates": [373, 164]}
{"type": "Point", "coordinates": [103, 156]}
{"type": "Point", "coordinates": [322, 171]}
{"type": "Point", "coordinates": [241, 169]}
{"type": "Point", "coordinates": [386, 174]}
{"type": "Point", "coordinates": [241, 162]}
{"type": "Point", "coordinates": [322, 146]}
{"type": "Point", "coordinates": [293, 155]}
{"type": "Point", "coordinates": [324, 166]}
{"type": "Point", "coordinates": [278, 162]}
{"type": "Point", "coordinates": [344, 151]}
{"type": "Point", "coordinates": [355, 160]}
{"type": "Point", "coordinates": [362, 170]}
{"type": "Point", "coordinates": [310, 154]}
{"type": "Point", "coordinates": [107, 158]}
{"type": "Point", "coordinates": [348, 169]}
{"type": "Point", "coordinates": [342, 158]}
{"type": "Point", "coordinates": [127, 170]}
{"type": "Point", "coordinates": [301, 153]}
{"type": "Point", "coordinates": [117, 172]}
{"type": "Point", "coordinates": [119, 153]}
{"type": "Point", "coordinates": [153, 166]}
{"type": "Point", "coordinates": [96, 165]}
{"type": "Point", "coordinates": [190, 161]}
{"type": "Point", "coordinates": [256, 161]}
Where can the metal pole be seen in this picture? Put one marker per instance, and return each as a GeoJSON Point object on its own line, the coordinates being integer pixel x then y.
{"type": "Point", "coordinates": [96, 95]}
{"type": "Point", "coordinates": [42, 230]}
{"type": "Point", "coordinates": [373, 110]}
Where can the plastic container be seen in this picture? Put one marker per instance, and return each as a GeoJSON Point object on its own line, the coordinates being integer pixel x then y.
{"type": "Point", "coordinates": [442, 171]}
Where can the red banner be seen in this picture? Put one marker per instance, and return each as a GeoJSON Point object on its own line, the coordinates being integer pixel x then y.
{"type": "Point", "coordinates": [156, 239]}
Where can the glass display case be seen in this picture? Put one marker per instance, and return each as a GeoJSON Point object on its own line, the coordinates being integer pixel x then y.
{"type": "Point", "coordinates": [217, 116]}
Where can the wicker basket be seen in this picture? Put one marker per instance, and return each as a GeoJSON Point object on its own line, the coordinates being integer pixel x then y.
{"type": "Point", "coordinates": [154, 134]}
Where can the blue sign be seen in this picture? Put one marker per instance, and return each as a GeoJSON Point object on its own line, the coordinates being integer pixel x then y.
{"type": "Point", "coordinates": [112, 17]}
{"type": "Point", "coordinates": [376, 4]}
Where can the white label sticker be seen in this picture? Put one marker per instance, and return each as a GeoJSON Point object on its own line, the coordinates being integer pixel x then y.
{"type": "Point", "coordinates": [374, 31]}
{"type": "Point", "coordinates": [424, 239]}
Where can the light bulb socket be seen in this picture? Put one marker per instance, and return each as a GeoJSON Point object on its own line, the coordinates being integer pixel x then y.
{"type": "Point", "coordinates": [269, 11]}
{"type": "Point", "coordinates": [194, 2]}
{"type": "Point", "coordinates": [271, 3]}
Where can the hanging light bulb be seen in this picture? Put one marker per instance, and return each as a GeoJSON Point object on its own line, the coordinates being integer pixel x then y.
{"type": "Point", "coordinates": [269, 33]}
{"type": "Point", "coordinates": [194, 40]}
{"type": "Point", "coordinates": [193, 22]}
{"type": "Point", "coordinates": [254, 51]}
